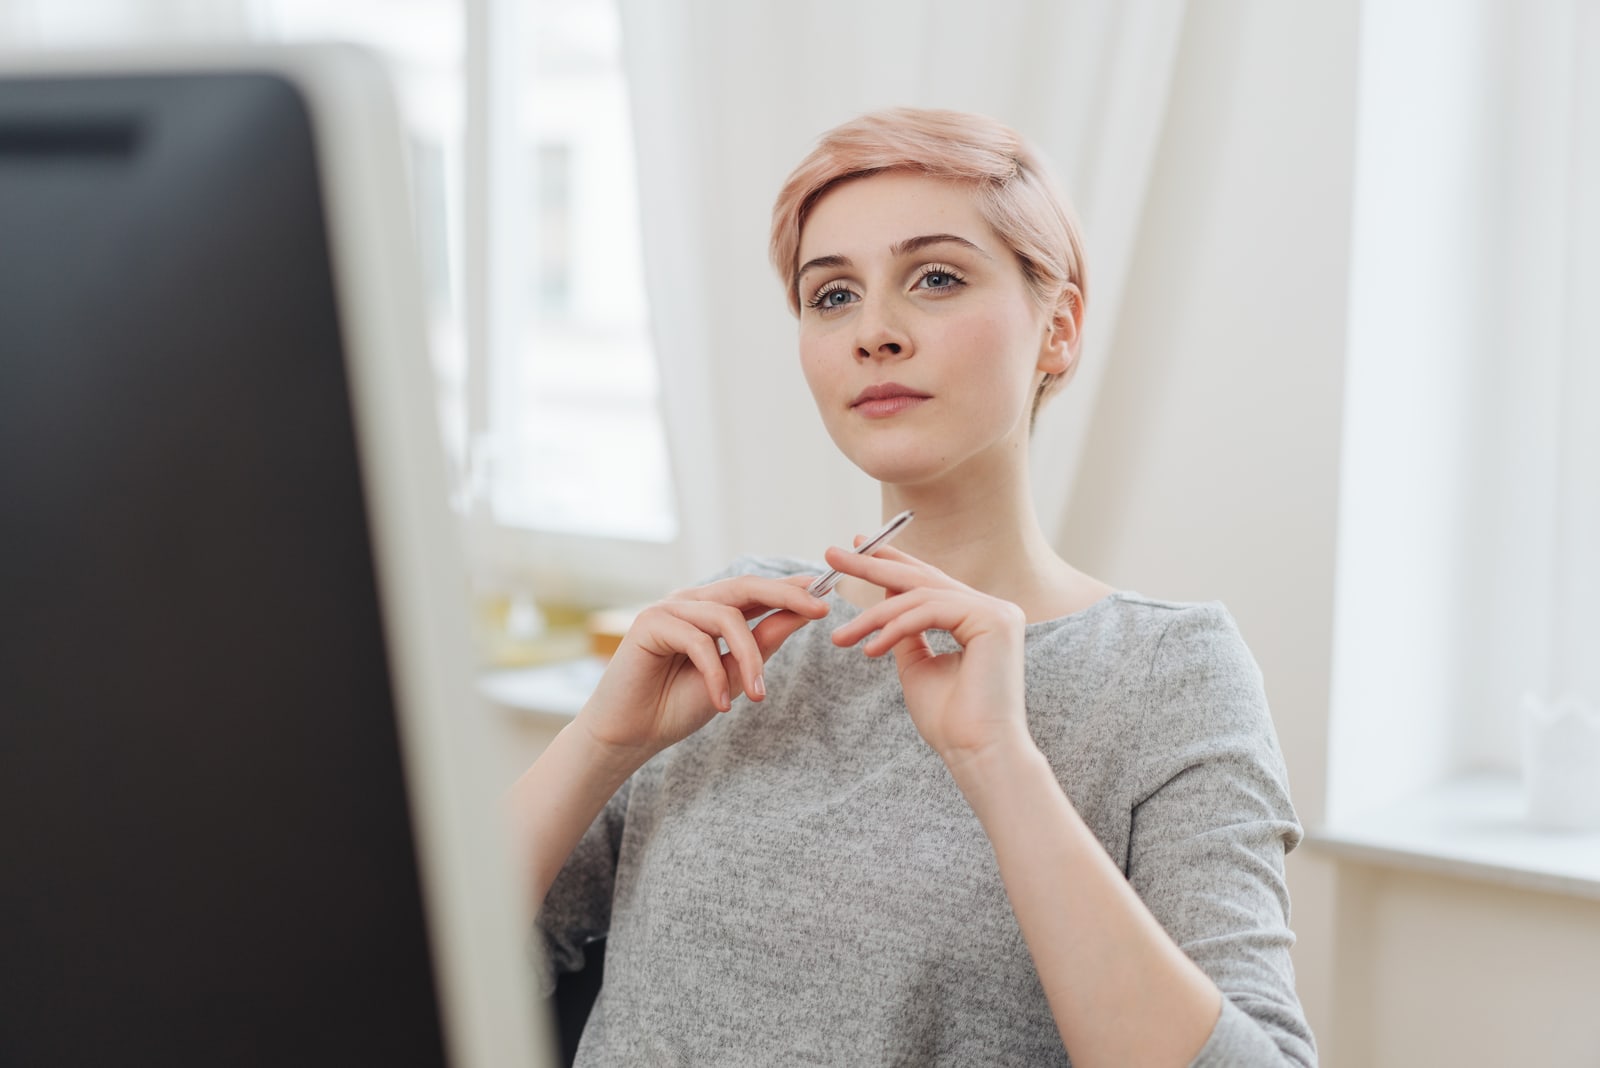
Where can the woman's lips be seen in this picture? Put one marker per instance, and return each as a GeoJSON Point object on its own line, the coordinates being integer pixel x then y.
{"type": "Point", "coordinates": [882, 401]}
{"type": "Point", "coordinates": [887, 406]}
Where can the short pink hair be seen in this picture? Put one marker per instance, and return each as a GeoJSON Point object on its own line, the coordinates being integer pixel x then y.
{"type": "Point", "coordinates": [1016, 195]}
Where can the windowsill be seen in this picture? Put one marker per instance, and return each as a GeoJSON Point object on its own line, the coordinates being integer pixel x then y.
{"type": "Point", "coordinates": [550, 693]}
{"type": "Point", "coordinates": [1472, 827]}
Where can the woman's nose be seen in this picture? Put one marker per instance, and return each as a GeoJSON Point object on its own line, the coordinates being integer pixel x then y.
{"type": "Point", "coordinates": [881, 336]}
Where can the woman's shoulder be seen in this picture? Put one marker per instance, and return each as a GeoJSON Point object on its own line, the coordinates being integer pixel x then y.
{"type": "Point", "coordinates": [1203, 692]}
{"type": "Point", "coordinates": [1199, 640]}
{"type": "Point", "coordinates": [1160, 655]}
{"type": "Point", "coordinates": [1184, 626]}
{"type": "Point", "coordinates": [1127, 624]}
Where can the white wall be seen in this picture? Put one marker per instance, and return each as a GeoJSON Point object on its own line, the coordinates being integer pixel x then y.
{"type": "Point", "coordinates": [1443, 971]}
{"type": "Point", "coordinates": [1212, 471]}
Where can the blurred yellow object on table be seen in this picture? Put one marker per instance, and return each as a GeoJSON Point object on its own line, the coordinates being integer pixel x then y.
{"type": "Point", "coordinates": [606, 628]}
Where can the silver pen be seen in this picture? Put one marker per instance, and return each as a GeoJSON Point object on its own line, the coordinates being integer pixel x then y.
{"type": "Point", "coordinates": [824, 584]}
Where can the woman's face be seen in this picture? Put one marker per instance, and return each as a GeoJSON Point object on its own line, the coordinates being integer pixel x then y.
{"type": "Point", "coordinates": [919, 337]}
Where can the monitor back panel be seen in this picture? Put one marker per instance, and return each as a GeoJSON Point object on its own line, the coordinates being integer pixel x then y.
{"type": "Point", "coordinates": [207, 854]}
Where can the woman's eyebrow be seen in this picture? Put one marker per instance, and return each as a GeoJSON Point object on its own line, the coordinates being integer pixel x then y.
{"type": "Point", "coordinates": [917, 244]}
{"type": "Point", "coordinates": [899, 248]}
{"type": "Point", "coordinates": [823, 261]}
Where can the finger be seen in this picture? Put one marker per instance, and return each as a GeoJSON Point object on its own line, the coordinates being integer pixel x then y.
{"type": "Point", "coordinates": [889, 552]}
{"type": "Point", "coordinates": [755, 594]}
{"type": "Point", "coordinates": [877, 616]}
{"type": "Point", "coordinates": [681, 636]}
{"type": "Point", "coordinates": [885, 572]}
{"type": "Point", "coordinates": [914, 623]}
{"type": "Point", "coordinates": [912, 614]}
{"type": "Point", "coordinates": [799, 598]}
{"type": "Point", "coordinates": [743, 659]}
{"type": "Point", "coordinates": [912, 650]}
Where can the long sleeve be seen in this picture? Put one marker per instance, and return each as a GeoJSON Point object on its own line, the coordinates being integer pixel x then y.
{"type": "Point", "coordinates": [811, 859]}
{"type": "Point", "coordinates": [1211, 825]}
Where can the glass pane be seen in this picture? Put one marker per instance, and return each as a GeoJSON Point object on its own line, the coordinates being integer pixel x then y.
{"type": "Point", "coordinates": [579, 443]}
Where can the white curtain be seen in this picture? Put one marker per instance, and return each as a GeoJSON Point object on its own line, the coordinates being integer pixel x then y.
{"type": "Point", "coordinates": [729, 96]}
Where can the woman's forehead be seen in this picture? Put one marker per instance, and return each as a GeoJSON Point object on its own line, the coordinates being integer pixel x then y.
{"type": "Point", "coordinates": [870, 215]}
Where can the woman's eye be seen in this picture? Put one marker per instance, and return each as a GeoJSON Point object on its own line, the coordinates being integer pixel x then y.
{"type": "Point", "coordinates": [832, 298]}
{"type": "Point", "coordinates": [939, 279]}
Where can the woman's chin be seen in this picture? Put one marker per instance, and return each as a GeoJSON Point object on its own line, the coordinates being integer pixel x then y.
{"type": "Point", "coordinates": [899, 467]}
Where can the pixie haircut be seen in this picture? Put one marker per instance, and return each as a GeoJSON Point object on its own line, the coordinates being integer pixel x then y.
{"type": "Point", "coordinates": [1014, 191]}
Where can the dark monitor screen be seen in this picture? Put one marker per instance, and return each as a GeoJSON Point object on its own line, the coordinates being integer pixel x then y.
{"type": "Point", "coordinates": [208, 857]}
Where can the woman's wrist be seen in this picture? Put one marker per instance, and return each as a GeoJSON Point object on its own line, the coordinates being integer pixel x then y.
{"type": "Point", "coordinates": [977, 771]}
{"type": "Point", "coordinates": [610, 762]}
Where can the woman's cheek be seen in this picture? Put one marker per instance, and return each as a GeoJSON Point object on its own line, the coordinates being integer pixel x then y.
{"type": "Point", "coordinates": [812, 367]}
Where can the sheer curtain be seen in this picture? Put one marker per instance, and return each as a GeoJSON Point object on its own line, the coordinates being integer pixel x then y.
{"type": "Point", "coordinates": [728, 97]}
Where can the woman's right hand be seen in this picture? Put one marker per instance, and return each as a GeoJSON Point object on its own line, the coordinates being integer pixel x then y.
{"type": "Point", "coordinates": [668, 677]}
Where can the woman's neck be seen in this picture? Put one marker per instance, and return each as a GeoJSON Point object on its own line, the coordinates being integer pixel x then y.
{"type": "Point", "coordinates": [986, 535]}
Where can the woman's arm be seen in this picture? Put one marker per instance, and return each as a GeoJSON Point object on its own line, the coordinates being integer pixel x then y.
{"type": "Point", "coordinates": [1121, 991]}
{"type": "Point", "coordinates": [1124, 986]}
{"type": "Point", "coordinates": [666, 680]}
{"type": "Point", "coordinates": [557, 799]}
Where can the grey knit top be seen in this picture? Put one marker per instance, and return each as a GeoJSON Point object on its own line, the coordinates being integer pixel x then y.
{"type": "Point", "coordinates": [802, 883]}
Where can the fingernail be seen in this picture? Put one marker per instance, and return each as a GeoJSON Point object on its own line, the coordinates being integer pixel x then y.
{"type": "Point", "coordinates": [725, 702]}
{"type": "Point", "coordinates": [759, 686]}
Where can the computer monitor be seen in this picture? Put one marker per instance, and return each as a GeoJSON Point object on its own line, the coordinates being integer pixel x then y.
{"type": "Point", "coordinates": [246, 815]}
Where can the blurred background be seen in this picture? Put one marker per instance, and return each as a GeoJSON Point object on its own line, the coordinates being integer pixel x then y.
{"type": "Point", "coordinates": [1340, 373]}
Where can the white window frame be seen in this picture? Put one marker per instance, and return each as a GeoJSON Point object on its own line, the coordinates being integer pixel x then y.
{"type": "Point", "coordinates": [571, 569]}
{"type": "Point", "coordinates": [1467, 567]}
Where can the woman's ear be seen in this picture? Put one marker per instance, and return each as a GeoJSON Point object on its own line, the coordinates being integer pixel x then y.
{"type": "Point", "coordinates": [1059, 352]}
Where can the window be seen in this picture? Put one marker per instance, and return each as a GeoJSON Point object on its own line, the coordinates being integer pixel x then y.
{"type": "Point", "coordinates": [523, 174]}
{"type": "Point", "coordinates": [575, 428]}
{"type": "Point", "coordinates": [1470, 517]}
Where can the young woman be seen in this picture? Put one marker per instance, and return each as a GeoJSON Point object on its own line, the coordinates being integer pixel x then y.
{"type": "Point", "coordinates": [974, 807]}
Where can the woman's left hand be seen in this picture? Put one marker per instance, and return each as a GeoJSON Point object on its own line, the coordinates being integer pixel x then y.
{"type": "Point", "coordinates": [963, 703]}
